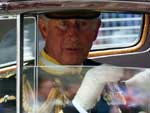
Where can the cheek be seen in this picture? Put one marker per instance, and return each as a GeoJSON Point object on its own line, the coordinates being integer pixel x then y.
{"type": "Point", "coordinates": [87, 43]}
{"type": "Point", "coordinates": [55, 41]}
{"type": "Point", "coordinates": [88, 39]}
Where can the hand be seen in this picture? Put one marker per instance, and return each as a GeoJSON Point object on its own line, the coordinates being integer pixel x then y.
{"type": "Point", "coordinates": [94, 82]}
{"type": "Point", "coordinates": [140, 80]}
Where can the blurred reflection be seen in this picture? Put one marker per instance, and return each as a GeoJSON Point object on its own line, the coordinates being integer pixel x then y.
{"type": "Point", "coordinates": [57, 91]}
{"type": "Point", "coordinates": [137, 93]}
{"type": "Point", "coordinates": [54, 90]}
{"type": "Point", "coordinates": [63, 66]}
{"type": "Point", "coordinates": [45, 86]}
{"type": "Point", "coordinates": [118, 30]}
{"type": "Point", "coordinates": [68, 42]}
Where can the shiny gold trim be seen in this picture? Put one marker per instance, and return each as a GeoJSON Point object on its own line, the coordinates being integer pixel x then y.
{"type": "Point", "coordinates": [49, 58]}
{"type": "Point", "coordinates": [7, 98]}
{"type": "Point", "coordinates": [7, 75]}
{"type": "Point", "coordinates": [7, 72]}
{"type": "Point", "coordinates": [61, 111]}
{"type": "Point", "coordinates": [49, 70]}
{"type": "Point", "coordinates": [125, 50]}
{"type": "Point", "coordinates": [4, 70]}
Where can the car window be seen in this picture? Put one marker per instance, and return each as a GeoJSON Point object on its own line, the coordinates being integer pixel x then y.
{"type": "Point", "coordinates": [8, 40]}
{"type": "Point", "coordinates": [119, 30]}
{"type": "Point", "coordinates": [49, 86]}
{"type": "Point", "coordinates": [58, 85]}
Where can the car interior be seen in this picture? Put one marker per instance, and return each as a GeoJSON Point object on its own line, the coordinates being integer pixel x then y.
{"type": "Point", "coordinates": [123, 41]}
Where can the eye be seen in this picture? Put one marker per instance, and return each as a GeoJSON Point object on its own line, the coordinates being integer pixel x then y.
{"type": "Point", "coordinates": [83, 25]}
{"type": "Point", "coordinates": [62, 25]}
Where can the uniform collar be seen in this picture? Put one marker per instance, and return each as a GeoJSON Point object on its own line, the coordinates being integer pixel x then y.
{"type": "Point", "coordinates": [52, 66]}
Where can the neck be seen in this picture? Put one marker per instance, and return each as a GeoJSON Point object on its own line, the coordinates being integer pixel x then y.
{"type": "Point", "coordinates": [50, 65]}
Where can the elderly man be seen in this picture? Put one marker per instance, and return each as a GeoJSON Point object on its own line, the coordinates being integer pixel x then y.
{"type": "Point", "coordinates": [68, 39]}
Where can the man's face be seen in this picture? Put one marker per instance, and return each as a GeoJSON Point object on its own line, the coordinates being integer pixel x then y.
{"type": "Point", "coordinates": [69, 40]}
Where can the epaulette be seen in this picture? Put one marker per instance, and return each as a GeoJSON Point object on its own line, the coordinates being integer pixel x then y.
{"type": "Point", "coordinates": [7, 83]}
{"type": "Point", "coordinates": [8, 75]}
{"type": "Point", "coordinates": [7, 98]}
{"type": "Point", "coordinates": [8, 72]}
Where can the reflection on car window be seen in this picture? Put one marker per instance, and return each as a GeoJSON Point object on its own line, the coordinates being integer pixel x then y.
{"type": "Point", "coordinates": [57, 86]}
{"type": "Point", "coordinates": [118, 30]}
{"type": "Point", "coordinates": [8, 40]}
{"type": "Point", "coordinates": [109, 88]}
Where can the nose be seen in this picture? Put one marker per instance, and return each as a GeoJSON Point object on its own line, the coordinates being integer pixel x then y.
{"type": "Point", "coordinates": [73, 30]}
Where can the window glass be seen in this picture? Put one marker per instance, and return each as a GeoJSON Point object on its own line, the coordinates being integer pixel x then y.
{"type": "Point", "coordinates": [119, 30]}
{"type": "Point", "coordinates": [116, 30]}
{"type": "Point", "coordinates": [64, 73]}
{"type": "Point", "coordinates": [65, 78]}
{"type": "Point", "coordinates": [8, 58]}
{"type": "Point", "coordinates": [8, 39]}
{"type": "Point", "coordinates": [99, 86]}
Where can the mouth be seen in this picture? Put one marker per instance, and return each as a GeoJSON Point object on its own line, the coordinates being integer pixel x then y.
{"type": "Point", "coordinates": [73, 50]}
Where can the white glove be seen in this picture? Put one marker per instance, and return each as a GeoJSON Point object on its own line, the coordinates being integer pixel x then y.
{"type": "Point", "coordinates": [140, 80]}
{"type": "Point", "coordinates": [93, 84]}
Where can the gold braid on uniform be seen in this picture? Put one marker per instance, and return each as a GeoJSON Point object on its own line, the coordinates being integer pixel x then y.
{"type": "Point", "coordinates": [27, 95]}
{"type": "Point", "coordinates": [56, 100]}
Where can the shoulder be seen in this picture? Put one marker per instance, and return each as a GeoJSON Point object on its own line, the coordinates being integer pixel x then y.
{"type": "Point", "coordinates": [91, 62]}
{"type": "Point", "coordinates": [70, 109]}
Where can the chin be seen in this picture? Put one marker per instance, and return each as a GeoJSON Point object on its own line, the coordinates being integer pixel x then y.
{"type": "Point", "coordinates": [71, 62]}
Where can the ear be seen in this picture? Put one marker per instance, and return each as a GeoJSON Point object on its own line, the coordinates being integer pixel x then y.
{"type": "Point", "coordinates": [98, 24]}
{"type": "Point", "coordinates": [43, 27]}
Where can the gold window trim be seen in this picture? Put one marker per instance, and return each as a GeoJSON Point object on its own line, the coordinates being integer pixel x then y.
{"type": "Point", "coordinates": [128, 49]}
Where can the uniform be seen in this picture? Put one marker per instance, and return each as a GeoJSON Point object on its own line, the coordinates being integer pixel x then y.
{"type": "Point", "coordinates": [8, 93]}
{"type": "Point", "coordinates": [63, 78]}
{"type": "Point", "coordinates": [56, 100]}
